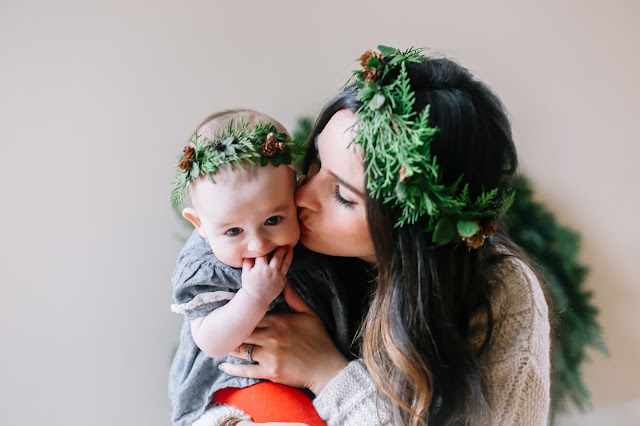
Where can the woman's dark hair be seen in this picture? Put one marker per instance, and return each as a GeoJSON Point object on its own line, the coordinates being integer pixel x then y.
{"type": "Point", "coordinates": [416, 336]}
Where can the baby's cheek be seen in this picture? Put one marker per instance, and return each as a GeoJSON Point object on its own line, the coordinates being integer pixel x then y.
{"type": "Point", "coordinates": [227, 254]}
{"type": "Point", "coordinates": [293, 233]}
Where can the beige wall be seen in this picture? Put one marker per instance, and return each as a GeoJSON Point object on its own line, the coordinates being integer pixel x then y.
{"type": "Point", "coordinates": [97, 98]}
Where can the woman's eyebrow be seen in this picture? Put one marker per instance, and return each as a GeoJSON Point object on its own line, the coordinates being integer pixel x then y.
{"type": "Point", "coordinates": [347, 185]}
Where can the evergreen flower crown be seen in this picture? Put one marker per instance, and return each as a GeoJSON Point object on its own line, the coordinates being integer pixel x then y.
{"type": "Point", "coordinates": [235, 145]}
{"type": "Point", "coordinates": [396, 142]}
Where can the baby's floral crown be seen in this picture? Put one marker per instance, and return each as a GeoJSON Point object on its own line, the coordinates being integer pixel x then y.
{"type": "Point", "coordinates": [235, 145]}
{"type": "Point", "coordinates": [401, 169]}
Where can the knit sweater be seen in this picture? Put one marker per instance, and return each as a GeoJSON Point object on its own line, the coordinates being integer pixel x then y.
{"type": "Point", "coordinates": [516, 361]}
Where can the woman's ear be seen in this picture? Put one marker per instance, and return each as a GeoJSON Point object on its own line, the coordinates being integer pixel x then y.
{"type": "Point", "coordinates": [190, 214]}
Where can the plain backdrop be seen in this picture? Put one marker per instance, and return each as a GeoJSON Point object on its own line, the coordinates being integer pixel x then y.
{"type": "Point", "coordinates": [97, 99]}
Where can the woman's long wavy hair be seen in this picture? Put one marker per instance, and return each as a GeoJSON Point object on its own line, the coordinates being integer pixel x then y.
{"type": "Point", "coordinates": [416, 333]}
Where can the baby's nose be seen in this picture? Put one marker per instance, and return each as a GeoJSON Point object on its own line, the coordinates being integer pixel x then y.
{"type": "Point", "coordinates": [259, 245]}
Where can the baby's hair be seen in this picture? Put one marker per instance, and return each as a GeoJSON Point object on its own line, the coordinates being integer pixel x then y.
{"type": "Point", "coordinates": [216, 123]}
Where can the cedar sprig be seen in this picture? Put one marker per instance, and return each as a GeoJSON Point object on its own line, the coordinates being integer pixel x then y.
{"type": "Point", "coordinates": [400, 167]}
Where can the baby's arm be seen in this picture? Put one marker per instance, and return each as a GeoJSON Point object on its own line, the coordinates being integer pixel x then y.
{"type": "Point", "coordinates": [227, 327]}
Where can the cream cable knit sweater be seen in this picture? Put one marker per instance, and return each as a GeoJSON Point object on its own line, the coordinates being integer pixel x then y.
{"type": "Point", "coordinates": [516, 361]}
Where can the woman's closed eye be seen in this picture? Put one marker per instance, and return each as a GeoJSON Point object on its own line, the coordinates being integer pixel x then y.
{"type": "Point", "coordinates": [340, 199]}
{"type": "Point", "coordinates": [273, 220]}
{"type": "Point", "coordinates": [233, 232]}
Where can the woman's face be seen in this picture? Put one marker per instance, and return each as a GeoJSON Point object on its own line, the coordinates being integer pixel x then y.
{"type": "Point", "coordinates": [331, 206]}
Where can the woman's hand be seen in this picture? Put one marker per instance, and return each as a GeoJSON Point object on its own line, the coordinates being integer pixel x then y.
{"type": "Point", "coordinates": [291, 349]}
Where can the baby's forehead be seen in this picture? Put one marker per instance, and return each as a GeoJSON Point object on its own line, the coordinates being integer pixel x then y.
{"type": "Point", "coordinates": [260, 188]}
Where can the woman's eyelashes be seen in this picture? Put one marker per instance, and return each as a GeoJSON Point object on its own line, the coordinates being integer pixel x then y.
{"type": "Point", "coordinates": [317, 165]}
{"type": "Point", "coordinates": [340, 199]}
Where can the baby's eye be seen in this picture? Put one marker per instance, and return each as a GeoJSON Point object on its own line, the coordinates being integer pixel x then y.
{"type": "Point", "coordinates": [233, 232]}
{"type": "Point", "coordinates": [273, 220]}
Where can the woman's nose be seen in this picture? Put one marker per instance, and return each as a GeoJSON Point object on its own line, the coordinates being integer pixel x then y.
{"type": "Point", "coordinates": [306, 195]}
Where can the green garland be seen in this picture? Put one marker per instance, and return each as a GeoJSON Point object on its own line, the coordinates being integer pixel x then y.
{"type": "Point", "coordinates": [236, 145]}
{"type": "Point", "coordinates": [401, 169]}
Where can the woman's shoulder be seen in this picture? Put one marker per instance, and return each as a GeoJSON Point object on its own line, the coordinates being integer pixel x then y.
{"type": "Point", "coordinates": [519, 309]}
{"type": "Point", "coordinates": [517, 359]}
{"type": "Point", "coordinates": [515, 286]}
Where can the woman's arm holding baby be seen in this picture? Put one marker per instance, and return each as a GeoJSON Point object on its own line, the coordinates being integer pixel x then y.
{"type": "Point", "coordinates": [291, 349]}
{"type": "Point", "coordinates": [227, 327]}
{"type": "Point", "coordinates": [295, 349]}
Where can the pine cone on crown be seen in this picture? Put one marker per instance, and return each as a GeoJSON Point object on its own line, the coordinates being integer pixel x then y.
{"type": "Point", "coordinates": [474, 241]}
{"type": "Point", "coordinates": [185, 164]}
{"type": "Point", "coordinates": [485, 229]}
{"type": "Point", "coordinates": [371, 74]}
{"type": "Point", "coordinates": [189, 153]}
{"type": "Point", "coordinates": [270, 146]}
{"type": "Point", "coordinates": [488, 228]}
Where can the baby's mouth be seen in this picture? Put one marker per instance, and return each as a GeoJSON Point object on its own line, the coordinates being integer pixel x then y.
{"type": "Point", "coordinates": [270, 254]}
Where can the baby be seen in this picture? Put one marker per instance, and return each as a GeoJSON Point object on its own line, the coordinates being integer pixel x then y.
{"type": "Point", "coordinates": [238, 174]}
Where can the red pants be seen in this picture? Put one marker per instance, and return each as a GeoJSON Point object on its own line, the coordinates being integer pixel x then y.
{"type": "Point", "coordinates": [271, 402]}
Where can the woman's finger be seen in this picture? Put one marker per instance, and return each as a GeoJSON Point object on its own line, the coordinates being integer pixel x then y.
{"type": "Point", "coordinates": [240, 351]}
{"type": "Point", "coordinates": [251, 371]}
{"type": "Point", "coordinates": [295, 302]}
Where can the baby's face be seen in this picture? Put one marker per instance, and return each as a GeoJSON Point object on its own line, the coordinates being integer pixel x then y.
{"type": "Point", "coordinates": [247, 213]}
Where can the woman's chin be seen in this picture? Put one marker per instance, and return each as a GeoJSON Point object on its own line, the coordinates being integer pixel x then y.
{"type": "Point", "coordinates": [308, 240]}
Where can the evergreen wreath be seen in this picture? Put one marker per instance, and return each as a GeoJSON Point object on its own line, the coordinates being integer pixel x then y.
{"type": "Point", "coordinates": [235, 145]}
{"type": "Point", "coordinates": [396, 142]}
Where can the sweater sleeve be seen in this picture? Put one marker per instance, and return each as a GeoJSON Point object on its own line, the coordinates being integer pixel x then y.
{"type": "Point", "coordinates": [350, 399]}
{"type": "Point", "coordinates": [530, 398]}
{"type": "Point", "coordinates": [518, 358]}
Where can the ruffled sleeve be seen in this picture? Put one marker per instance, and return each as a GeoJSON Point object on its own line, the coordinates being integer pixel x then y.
{"type": "Point", "coordinates": [201, 283]}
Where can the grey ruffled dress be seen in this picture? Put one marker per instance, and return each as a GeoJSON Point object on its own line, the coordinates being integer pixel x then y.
{"type": "Point", "coordinates": [201, 283]}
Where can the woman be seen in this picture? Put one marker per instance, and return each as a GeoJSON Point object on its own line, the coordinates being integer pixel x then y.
{"type": "Point", "coordinates": [408, 172]}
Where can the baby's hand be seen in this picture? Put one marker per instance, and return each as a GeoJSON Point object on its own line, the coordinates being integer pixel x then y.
{"type": "Point", "coordinates": [265, 278]}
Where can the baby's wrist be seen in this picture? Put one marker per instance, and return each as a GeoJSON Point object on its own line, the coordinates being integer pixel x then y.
{"type": "Point", "coordinates": [256, 300]}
